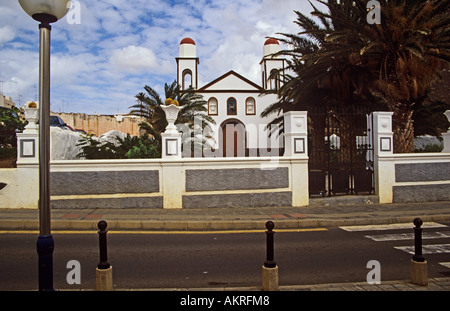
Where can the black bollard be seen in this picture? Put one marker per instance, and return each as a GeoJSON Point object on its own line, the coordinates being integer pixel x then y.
{"type": "Point", "coordinates": [419, 266]}
{"type": "Point", "coordinates": [103, 264]}
{"type": "Point", "coordinates": [270, 262]}
{"type": "Point", "coordinates": [418, 241]}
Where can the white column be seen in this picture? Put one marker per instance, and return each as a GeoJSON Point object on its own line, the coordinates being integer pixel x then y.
{"type": "Point", "coordinates": [296, 134]}
{"type": "Point", "coordinates": [28, 161]}
{"type": "Point", "coordinates": [296, 147]}
{"type": "Point", "coordinates": [446, 136]}
{"type": "Point", "coordinates": [172, 173]}
{"type": "Point", "coordinates": [171, 138]}
{"type": "Point", "coordinates": [28, 140]}
{"type": "Point", "coordinates": [383, 134]}
{"type": "Point", "coordinates": [171, 146]}
{"type": "Point", "coordinates": [383, 144]}
{"type": "Point", "coordinates": [173, 184]}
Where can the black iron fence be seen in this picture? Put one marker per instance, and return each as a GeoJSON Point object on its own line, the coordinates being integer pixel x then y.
{"type": "Point", "coordinates": [340, 153]}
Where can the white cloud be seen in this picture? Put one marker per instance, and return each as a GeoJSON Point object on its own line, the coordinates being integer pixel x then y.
{"type": "Point", "coordinates": [74, 69]}
{"type": "Point", "coordinates": [7, 34]}
{"type": "Point", "coordinates": [120, 46]}
{"type": "Point", "coordinates": [133, 59]}
{"type": "Point", "coordinates": [19, 73]}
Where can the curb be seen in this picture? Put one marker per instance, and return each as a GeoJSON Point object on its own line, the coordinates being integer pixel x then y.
{"type": "Point", "coordinates": [434, 284]}
{"type": "Point", "coordinates": [211, 225]}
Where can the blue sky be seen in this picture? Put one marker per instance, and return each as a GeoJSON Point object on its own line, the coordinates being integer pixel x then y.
{"type": "Point", "coordinates": [119, 46]}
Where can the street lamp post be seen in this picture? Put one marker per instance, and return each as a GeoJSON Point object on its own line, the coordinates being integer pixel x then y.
{"type": "Point", "coordinates": [45, 12]}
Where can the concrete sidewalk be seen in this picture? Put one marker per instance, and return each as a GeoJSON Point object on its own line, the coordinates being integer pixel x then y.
{"type": "Point", "coordinates": [434, 284]}
{"type": "Point", "coordinates": [214, 219]}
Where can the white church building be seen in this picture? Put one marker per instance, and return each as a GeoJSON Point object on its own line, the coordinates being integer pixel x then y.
{"type": "Point", "coordinates": [235, 103]}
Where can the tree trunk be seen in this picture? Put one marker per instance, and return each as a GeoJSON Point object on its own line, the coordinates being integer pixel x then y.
{"type": "Point", "coordinates": [403, 128]}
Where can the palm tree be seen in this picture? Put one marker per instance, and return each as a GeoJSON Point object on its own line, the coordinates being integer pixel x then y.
{"type": "Point", "coordinates": [411, 45]}
{"type": "Point", "coordinates": [193, 106]}
{"type": "Point", "coordinates": [322, 80]}
{"type": "Point", "coordinates": [355, 64]}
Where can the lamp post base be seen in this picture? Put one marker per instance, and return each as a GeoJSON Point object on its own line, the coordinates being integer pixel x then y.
{"type": "Point", "coordinates": [45, 246]}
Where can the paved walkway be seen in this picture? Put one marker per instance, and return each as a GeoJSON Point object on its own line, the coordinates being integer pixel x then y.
{"type": "Point", "coordinates": [434, 284]}
{"type": "Point", "coordinates": [228, 218]}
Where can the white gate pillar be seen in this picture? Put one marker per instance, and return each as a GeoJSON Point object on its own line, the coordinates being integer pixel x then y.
{"type": "Point", "coordinates": [28, 140]}
{"type": "Point", "coordinates": [383, 149]}
{"type": "Point", "coordinates": [446, 136]}
{"type": "Point", "coordinates": [296, 134]}
{"type": "Point", "coordinates": [28, 160]}
{"type": "Point", "coordinates": [296, 147]}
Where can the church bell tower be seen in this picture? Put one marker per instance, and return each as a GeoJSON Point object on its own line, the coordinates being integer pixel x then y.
{"type": "Point", "coordinates": [187, 64]}
{"type": "Point", "coordinates": [270, 64]}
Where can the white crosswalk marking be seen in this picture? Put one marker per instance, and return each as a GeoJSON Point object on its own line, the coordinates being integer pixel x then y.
{"type": "Point", "coordinates": [407, 236]}
{"type": "Point", "coordinates": [390, 226]}
{"type": "Point", "coordinates": [427, 249]}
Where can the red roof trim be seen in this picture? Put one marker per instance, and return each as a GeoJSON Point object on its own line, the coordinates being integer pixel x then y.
{"type": "Point", "coordinates": [231, 72]}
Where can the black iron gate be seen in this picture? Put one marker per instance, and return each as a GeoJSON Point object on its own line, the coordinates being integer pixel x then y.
{"type": "Point", "coordinates": [340, 154]}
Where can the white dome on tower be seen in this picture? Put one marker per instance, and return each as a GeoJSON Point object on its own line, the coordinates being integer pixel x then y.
{"type": "Point", "coordinates": [188, 48]}
{"type": "Point", "coordinates": [271, 46]}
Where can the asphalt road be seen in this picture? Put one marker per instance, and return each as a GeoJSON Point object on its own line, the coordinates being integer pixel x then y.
{"type": "Point", "coordinates": [216, 260]}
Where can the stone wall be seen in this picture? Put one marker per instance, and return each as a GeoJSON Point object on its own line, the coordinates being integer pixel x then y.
{"type": "Point", "coordinates": [158, 183]}
{"type": "Point", "coordinates": [186, 183]}
{"type": "Point", "coordinates": [100, 124]}
{"type": "Point", "coordinates": [201, 180]}
{"type": "Point", "coordinates": [422, 182]}
{"type": "Point", "coordinates": [106, 189]}
{"type": "Point", "coordinates": [407, 177]}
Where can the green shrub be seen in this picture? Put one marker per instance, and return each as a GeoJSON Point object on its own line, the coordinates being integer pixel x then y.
{"type": "Point", "coordinates": [130, 147]}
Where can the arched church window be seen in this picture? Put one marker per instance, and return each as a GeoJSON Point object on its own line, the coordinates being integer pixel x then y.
{"type": "Point", "coordinates": [231, 106]}
{"type": "Point", "coordinates": [274, 80]}
{"type": "Point", "coordinates": [187, 79]}
{"type": "Point", "coordinates": [212, 106]}
{"type": "Point", "coordinates": [250, 106]}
